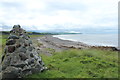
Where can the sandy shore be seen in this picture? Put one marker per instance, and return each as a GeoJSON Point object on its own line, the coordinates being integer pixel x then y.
{"type": "Point", "coordinates": [49, 43]}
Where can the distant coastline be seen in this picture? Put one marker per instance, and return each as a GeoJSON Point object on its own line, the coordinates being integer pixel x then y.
{"type": "Point", "coordinates": [93, 39]}
{"type": "Point", "coordinates": [58, 44]}
{"type": "Point", "coordinates": [42, 33]}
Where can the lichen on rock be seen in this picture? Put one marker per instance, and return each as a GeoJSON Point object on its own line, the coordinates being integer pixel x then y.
{"type": "Point", "coordinates": [20, 56]}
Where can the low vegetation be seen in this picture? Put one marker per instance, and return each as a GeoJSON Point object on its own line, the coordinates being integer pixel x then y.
{"type": "Point", "coordinates": [3, 39]}
{"type": "Point", "coordinates": [74, 63]}
{"type": "Point", "coordinates": [90, 63]}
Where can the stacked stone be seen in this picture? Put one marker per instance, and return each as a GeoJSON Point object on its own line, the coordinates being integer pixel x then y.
{"type": "Point", "coordinates": [20, 56]}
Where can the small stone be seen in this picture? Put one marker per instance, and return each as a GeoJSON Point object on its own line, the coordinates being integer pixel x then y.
{"type": "Point", "coordinates": [18, 45]}
{"type": "Point", "coordinates": [11, 72]}
{"type": "Point", "coordinates": [42, 69]}
{"type": "Point", "coordinates": [45, 68]}
{"type": "Point", "coordinates": [36, 57]}
{"type": "Point", "coordinates": [30, 48]}
{"type": "Point", "coordinates": [23, 56]}
{"type": "Point", "coordinates": [26, 70]}
{"type": "Point", "coordinates": [25, 44]}
{"type": "Point", "coordinates": [10, 42]}
{"type": "Point", "coordinates": [11, 31]}
{"type": "Point", "coordinates": [11, 49]}
{"type": "Point", "coordinates": [21, 40]}
{"type": "Point", "coordinates": [20, 64]}
{"type": "Point", "coordinates": [22, 49]}
{"type": "Point", "coordinates": [20, 34]}
{"type": "Point", "coordinates": [16, 26]}
{"type": "Point", "coordinates": [30, 61]}
{"type": "Point", "coordinates": [31, 55]}
{"type": "Point", "coordinates": [13, 37]}
{"type": "Point", "coordinates": [4, 67]}
{"type": "Point", "coordinates": [30, 42]}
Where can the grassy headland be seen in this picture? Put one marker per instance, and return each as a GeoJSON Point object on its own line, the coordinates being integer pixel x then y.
{"type": "Point", "coordinates": [75, 63]}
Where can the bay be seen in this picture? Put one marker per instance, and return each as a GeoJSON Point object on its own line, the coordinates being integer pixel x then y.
{"type": "Point", "coordinates": [92, 39]}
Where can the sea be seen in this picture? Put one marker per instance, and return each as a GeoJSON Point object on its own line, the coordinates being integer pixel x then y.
{"type": "Point", "coordinates": [92, 39]}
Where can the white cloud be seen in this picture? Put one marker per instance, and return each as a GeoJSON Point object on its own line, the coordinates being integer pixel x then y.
{"type": "Point", "coordinates": [49, 14]}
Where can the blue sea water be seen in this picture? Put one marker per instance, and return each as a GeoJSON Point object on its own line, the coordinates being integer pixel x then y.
{"type": "Point", "coordinates": [92, 39]}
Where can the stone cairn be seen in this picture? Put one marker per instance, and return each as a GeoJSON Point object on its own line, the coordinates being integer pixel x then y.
{"type": "Point", "coordinates": [20, 56]}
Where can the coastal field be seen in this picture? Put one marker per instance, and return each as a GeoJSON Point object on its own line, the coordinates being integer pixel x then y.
{"type": "Point", "coordinates": [64, 61]}
{"type": "Point", "coordinates": [80, 64]}
{"type": "Point", "coordinates": [73, 63]}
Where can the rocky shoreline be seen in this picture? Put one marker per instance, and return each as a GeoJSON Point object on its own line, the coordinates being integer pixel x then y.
{"type": "Point", "coordinates": [57, 44]}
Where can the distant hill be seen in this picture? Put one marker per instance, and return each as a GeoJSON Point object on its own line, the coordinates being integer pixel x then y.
{"type": "Point", "coordinates": [37, 33]}
{"type": "Point", "coordinates": [5, 32]}
{"type": "Point", "coordinates": [30, 33]}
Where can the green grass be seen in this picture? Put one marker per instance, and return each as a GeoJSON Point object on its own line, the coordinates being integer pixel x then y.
{"type": "Point", "coordinates": [3, 39]}
{"type": "Point", "coordinates": [91, 63]}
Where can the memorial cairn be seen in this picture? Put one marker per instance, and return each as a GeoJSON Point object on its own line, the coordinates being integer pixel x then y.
{"type": "Point", "coordinates": [20, 57]}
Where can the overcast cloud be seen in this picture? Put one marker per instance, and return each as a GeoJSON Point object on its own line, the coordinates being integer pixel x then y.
{"type": "Point", "coordinates": [62, 14]}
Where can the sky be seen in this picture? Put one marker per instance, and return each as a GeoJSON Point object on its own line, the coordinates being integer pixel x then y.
{"type": "Point", "coordinates": [59, 14]}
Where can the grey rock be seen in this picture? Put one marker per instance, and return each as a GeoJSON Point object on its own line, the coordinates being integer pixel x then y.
{"type": "Point", "coordinates": [35, 70]}
{"type": "Point", "coordinates": [11, 72]}
{"type": "Point", "coordinates": [25, 44]}
{"type": "Point", "coordinates": [21, 40]}
{"type": "Point", "coordinates": [11, 31]}
{"type": "Point", "coordinates": [31, 61]}
{"type": "Point", "coordinates": [42, 69]}
{"type": "Point", "coordinates": [20, 64]}
{"type": "Point", "coordinates": [11, 42]}
{"type": "Point", "coordinates": [23, 36]}
{"type": "Point", "coordinates": [30, 42]}
{"type": "Point", "coordinates": [13, 37]}
{"type": "Point", "coordinates": [6, 61]}
{"type": "Point", "coordinates": [36, 57]}
{"type": "Point", "coordinates": [31, 55]}
{"type": "Point", "coordinates": [4, 67]}
{"type": "Point", "coordinates": [18, 45]}
{"type": "Point", "coordinates": [15, 59]}
{"type": "Point", "coordinates": [16, 26]}
{"type": "Point", "coordinates": [30, 48]}
{"type": "Point", "coordinates": [11, 49]}
{"type": "Point", "coordinates": [23, 56]}
{"type": "Point", "coordinates": [26, 70]}
{"type": "Point", "coordinates": [35, 52]}
{"type": "Point", "coordinates": [23, 49]}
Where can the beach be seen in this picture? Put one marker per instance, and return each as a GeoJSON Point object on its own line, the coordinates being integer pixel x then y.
{"type": "Point", "coordinates": [47, 44]}
{"type": "Point", "coordinates": [92, 39]}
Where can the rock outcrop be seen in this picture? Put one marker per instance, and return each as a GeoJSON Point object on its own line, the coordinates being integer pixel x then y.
{"type": "Point", "coordinates": [20, 56]}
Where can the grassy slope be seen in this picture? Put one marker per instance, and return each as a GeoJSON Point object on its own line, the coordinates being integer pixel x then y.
{"type": "Point", "coordinates": [80, 64]}
{"type": "Point", "coordinates": [77, 63]}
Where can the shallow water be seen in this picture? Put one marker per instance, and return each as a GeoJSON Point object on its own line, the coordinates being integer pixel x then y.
{"type": "Point", "coordinates": [92, 39]}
